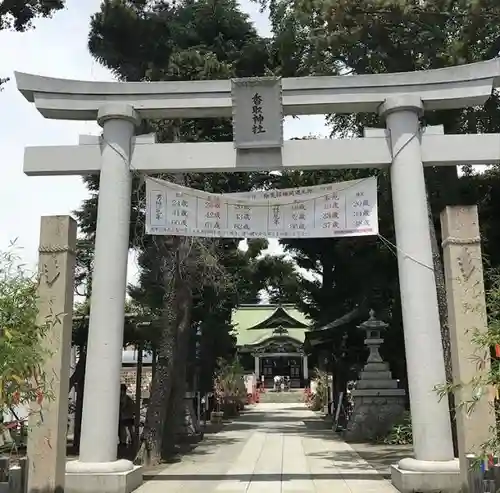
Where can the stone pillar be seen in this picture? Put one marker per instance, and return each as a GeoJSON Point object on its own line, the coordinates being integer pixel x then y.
{"type": "Point", "coordinates": [98, 446]}
{"type": "Point", "coordinates": [305, 362]}
{"type": "Point", "coordinates": [467, 309]}
{"type": "Point", "coordinates": [257, 366]}
{"type": "Point", "coordinates": [432, 439]}
{"type": "Point", "coordinates": [48, 427]}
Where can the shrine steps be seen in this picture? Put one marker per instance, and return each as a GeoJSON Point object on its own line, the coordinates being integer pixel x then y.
{"type": "Point", "coordinates": [292, 396]}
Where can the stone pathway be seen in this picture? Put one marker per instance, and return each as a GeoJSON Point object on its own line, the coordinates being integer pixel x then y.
{"type": "Point", "coordinates": [272, 448]}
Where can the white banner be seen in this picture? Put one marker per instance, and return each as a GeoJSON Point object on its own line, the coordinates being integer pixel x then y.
{"type": "Point", "coordinates": [324, 211]}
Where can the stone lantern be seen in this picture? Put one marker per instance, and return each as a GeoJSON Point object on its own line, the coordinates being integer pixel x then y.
{"type": "Point", "coordinates": [378, 402]}
{"type": "Point", "coordinates": [373, 329]}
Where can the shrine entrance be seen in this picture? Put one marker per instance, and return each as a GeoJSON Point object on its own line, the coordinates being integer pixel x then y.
{"type": "Point", "coordinates": [404, 147]}
{"type": "Point", "coordinates": [283, 365]}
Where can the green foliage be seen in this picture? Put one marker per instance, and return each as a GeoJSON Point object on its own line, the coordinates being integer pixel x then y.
{"type": "Point", "coordinates": [379, 36]}
{"type": "Point", "coordinates": [22, 352]}
{"type": "Point", "coordinates": [19, 14]}
{"type": "Point", "coordinates": [373, 36]}
{"type": "Point", "coordinates": [319, 399]}
{"type": "Point", "coordinates": [401, 433]}
{"type": "Point", "coordinates": [229, 383]}
{"type": "Point", "coordinates": [487, 375]}
{"type": "Point", "coordinates": [278, 277]}
{"type": "Point", "coordinates": [151, 33]}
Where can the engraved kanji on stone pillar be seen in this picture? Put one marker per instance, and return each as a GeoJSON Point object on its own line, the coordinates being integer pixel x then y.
{"type": "Point", "coordinates": [48, 424]}
{"type": "Point", "coordinates": [467, 317]}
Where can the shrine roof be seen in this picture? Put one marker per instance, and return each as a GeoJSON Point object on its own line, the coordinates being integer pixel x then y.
{"type": "Point", "coordinates": [254, 324]}
{"type": "Point", "coordinates": [324, 334]}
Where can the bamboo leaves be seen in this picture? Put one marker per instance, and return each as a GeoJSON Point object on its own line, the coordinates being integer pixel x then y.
{"type": "Point", "coordinates": [21, 348]}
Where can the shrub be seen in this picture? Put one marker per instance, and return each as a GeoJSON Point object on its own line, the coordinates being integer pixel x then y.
{"type": "Point", "coordinates": [487, 376]}
{"type": "Point", "coordinates": [319, 399]}
{"type": "Point", "coordinates": [401, 432]}
{"type": "Point", "coordinates": [22, 353]}
{"type": "Point", "coordinates": [229, 386]}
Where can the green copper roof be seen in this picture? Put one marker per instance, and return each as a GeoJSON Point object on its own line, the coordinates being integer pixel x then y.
{"type": "Point", "coordinates": [255, 324]}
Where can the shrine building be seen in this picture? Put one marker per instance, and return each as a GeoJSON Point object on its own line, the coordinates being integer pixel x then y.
{"type": "Point", "coordinates": [270, 341]}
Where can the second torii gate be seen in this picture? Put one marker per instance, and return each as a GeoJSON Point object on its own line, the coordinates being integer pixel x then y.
{"type": "Point", "coordinates": [399, 98]}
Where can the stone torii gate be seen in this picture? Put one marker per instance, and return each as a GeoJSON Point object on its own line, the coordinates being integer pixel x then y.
{"type": "Point", "coordinates": [399, 98]}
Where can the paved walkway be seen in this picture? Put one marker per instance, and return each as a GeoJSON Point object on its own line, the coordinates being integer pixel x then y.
{"type": "Point", "coordinates": [273, 448]}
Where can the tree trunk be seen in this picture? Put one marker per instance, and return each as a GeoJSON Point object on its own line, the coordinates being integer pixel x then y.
{"type": "Point", "coordinates": [138, 392]}
{"type": "Point", "coordinates": [168, 385]}
{"type": "Point", "coordinates": [153, 363]}
{"type": "Point", "coordinates": [79, 383]}
{"type": "Point", "coordinates": [184, 300]}
{"type": "Point", "coordinates": [79, 372]}
{"type": "Point", "coordinates": [150, 452]}
{"type": "Point", "coordinates": [443, 318]}
{"type": "Point", "coordinates": [441, 296]}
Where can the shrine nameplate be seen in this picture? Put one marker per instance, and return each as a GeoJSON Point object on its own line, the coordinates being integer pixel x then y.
{"type": "Point", "coordinates": [257, 113]}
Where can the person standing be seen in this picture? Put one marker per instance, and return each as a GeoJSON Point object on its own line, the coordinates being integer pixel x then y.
{"type": "Point", "coordinates": [126, 418]}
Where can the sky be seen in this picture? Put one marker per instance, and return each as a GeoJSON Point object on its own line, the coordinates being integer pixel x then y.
{"type": "Point", "coordinates": [57, 47]}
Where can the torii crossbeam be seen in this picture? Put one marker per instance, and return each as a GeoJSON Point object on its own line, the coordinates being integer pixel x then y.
{"type": "Point", "coordinates": [203, 157]}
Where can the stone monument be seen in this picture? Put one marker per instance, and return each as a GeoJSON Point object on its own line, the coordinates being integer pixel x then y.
{"type": "Point", "coordinates": [467, 316]}
{"type": "Point", "coordinates": [48, 422]}
{"type": "Point", "coordinates": [378, 402]}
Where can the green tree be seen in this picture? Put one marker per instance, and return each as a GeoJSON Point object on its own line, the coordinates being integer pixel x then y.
{"type": "Point", "coordinates": [22, 352]}
{"type": "Point", "coordinates": [278, 278]}
{"type": "Point", "coordinates": [19, 14]}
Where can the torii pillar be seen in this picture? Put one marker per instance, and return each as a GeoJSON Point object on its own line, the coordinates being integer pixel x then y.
{"type": "Point", "coordinates": [434, 466]}
{"type": "Point", "coordinates": [98, 469]}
